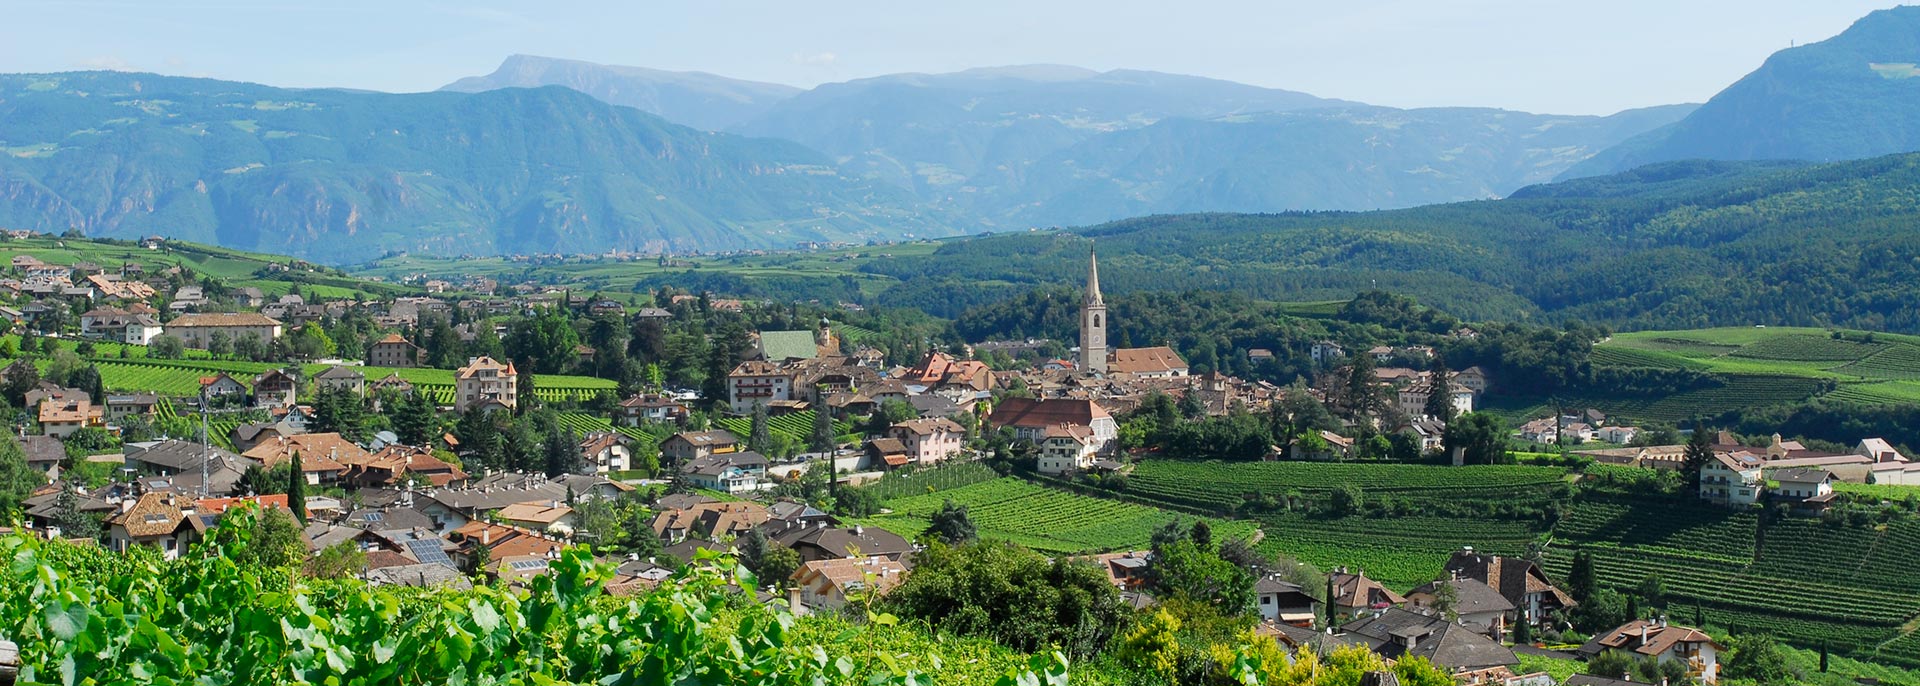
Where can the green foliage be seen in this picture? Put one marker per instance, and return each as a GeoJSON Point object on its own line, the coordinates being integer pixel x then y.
{"type": "Point", "coordinates": [1012, 595]}
{"type": "Point", "coordinates": [950, 525]}
{"type": "Point", "coordinates": [1480, 437]}
{"type": "Point", "coordinates": [1756, 658]}
{"type": "Point", "coordinates": [17, 480]}
{"type": "Point", "coordinates": [1042, 518]}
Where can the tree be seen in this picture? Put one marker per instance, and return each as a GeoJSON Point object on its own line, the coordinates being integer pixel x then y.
{"type": "Point", "coordinates": [277, 539]}
{"type": "Point", "coordinates": [1361, 391]}
{"type": "Point", "coordinates": [1439, 396]}
{"type": "Point", "coordinates": [1523, 633]}
{"type": "Point", "coordinates": [1202, 535]}
{"type": "Point", "coordinates": [1580, 579]}
{"type": "Point", "coordinates": [1653, 591]}
{"type": "Point", "coordinates": [165, 347]}
{"type": "Point", "coordinates": [563, 453]}
{"type": "Point", "coordinates": [1757, 658]}
{"type": "Point", "coordinates": [18, 480]}
{"type": "Point", "coordinates": [1610, 664]}
{"type": "Point", "coordinates": [479, 560]}
{"type": "Point", "coordinates": [1183, 570]}
{"type": "Point", "coordinates": [1603, 609]}
{"type": "Point", "coordinates": [343, 560]}
{"type": "Point", "coordinates": [1347, 500]}
{"type": "Point", "coordinates": [951, 525]}
{"type": "Point", "coordinates": [414, 419]}
{"type": "Point", "coordinates": [822, 438]}
{"type": "Point", "coordinates": [480, 437]}
{"type": "Point", "coordinates": [73, 522]}
{"type": "Point", "coordinates": [749, 548]}
{"type": "Point", "coordinates": [777, 565]}
{"type": "Point", "coordinates": [1446, 597]}
{"type": "Point", "coordinates": [20, 377]}
{"type": "Point", "coordinates": [760, 437]}
{"type": "Point", "coordinates": [297, 489]}
{"type": "Point", "coordinates": [1480, 437]}
{"type": "Point", "coordinates": [310, 341]}
{"type": "Point", "coordinates": [219, 344]}
{"type": "Point", "coordinates": [1698, 453]}
{"type": "Point", "coordinates": [1012, 595]}
{"type": "Point", "coordinates": [729, 343]}
{"type": "Point", "coordinates": [640, 539]}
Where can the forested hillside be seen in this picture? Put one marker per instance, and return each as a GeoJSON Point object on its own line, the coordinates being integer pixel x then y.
{"type": "Point", "coordinates": [1678, 245]}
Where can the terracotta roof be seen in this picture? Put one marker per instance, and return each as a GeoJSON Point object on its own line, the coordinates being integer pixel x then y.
{"type": "Point", "coordinates": [1646, 637]}
{"type": "Point", "coordinates": [544, 512]}
{"type": "Point", "coordinates": [1031, 413]}
{"type": "Point", "coordinates": [1157, 359]}
{"type": "Point", "coordinates": [328, 452]}
{"type": "Point", "coordinates": [154, 514]}
{"type": "Point", "coordinates": [478, 364]}
{"type": "Point", "coordinates": [849, 574]}
{"type": "Point", "coordinates": [930, 425]}
{"type": "Point", "coordinates": [219, 505]}
{"type": "Point", "coordinates": [222, 319]}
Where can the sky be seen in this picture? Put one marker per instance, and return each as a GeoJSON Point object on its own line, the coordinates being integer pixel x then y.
{"type": "Point", "coordinates": [1551, 56]}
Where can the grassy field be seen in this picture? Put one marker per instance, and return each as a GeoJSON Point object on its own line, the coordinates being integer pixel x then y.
{"type": "Point", "coordinates": [1766, 365]}
{"type": "Point", "coordinates": [1045, 519]}
{"type": "Point", "coordinates": [237, 267]}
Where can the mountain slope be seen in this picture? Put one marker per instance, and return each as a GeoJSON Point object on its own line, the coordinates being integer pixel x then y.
{"type": "Point", "coordinates": [933, 132]}
{"type": "Point", "coordinates": [344, 176]}
{"type": "Point", "coordinates": [697, 99]}
{"type": "Point", "coordinates": [1852, 96]}
{"type": "Point", "coordinates": [1675, 245]}
{"type": "Point", "coordinates": [1320, 159]}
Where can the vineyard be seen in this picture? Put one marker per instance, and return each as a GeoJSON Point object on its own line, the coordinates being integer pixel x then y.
{"type": "Point", "coordinates": [1399, 552]}
{"type": "Point", "coordinates": [181, 378]}
{"type": "Point", "coordinates": [1222, 486]}
{"type": "Point", "coordinates": [899, 484]}
{"type": "Point", "coordinates": [1045, 519]}
{"type": "Point", "coordinates": [1765, 366]}
{"type": "Point", "coordinates": [582, 424]}
{"type": "Point", "coordinates": [86, 615]}
{"type": "Point", "coordinates": [1802, 580]}
{"type": "Point", "coordinates": [796, 427]}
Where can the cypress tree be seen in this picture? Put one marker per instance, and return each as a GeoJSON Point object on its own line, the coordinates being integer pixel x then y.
{"type": "Point", "coordinates": [297, 490]}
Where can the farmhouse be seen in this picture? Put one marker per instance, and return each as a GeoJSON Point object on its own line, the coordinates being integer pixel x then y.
{"type": "Point", "coordinates": [1657, 639]}
{"type": "Point", "coordinates": [1031, 419]}
{"type": "Point", "coordinates": [1479, 606]}
{"type": "Point", "coordinates": [828, 584]}
{"type": "Point", "coordinates": [394, 350]}
{"type": "Point", "coordinates": [1733, 479]}
{"type": "Point", "coordinates": [687, 446]}
{"type": "Point", "coordinates": [1397, 633]}
{"type": "Point", "coordinates": [1531, 597]}
{"type": "Point", "coordinates": [756, 382]}
{"type": "Point", "coordinates": [1284, 602]}
{"type": "Point", "coordinates": [197, 330]}
{"type": "Point", "coordinates": [929, 440]}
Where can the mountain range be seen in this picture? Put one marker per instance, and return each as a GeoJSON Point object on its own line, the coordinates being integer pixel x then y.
{"type": "Point", "coordinates": [547, 155]}
{"type": "Point", "coordinates": [343, 176]}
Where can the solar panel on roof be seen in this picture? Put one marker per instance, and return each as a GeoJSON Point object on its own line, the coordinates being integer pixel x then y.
{"type": "Point", "coordinates": [374, 516]}
{"type": "Point", "coordinates": [428, 551]}
{"type": "Point", "coordinates": [529, 565]}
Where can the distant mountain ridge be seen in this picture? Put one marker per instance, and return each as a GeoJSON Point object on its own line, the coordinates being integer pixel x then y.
{"type": "Point", "coordinates": [343, 176]}
{"type": "Point", "coordinates": [697, 99]}
{"type": "Point", "coordinates": [1852, 96]}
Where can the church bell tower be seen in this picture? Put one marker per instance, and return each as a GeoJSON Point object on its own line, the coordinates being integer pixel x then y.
{"type": "Point", "coordinates": [1093, 322]}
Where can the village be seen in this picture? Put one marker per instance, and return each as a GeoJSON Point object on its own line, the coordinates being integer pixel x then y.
{"type": "Point", "coordinates": [688, 475]}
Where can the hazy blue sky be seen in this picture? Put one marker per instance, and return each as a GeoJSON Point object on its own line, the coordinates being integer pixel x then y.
{"type": "Point", "coordinates": [1595, 56]}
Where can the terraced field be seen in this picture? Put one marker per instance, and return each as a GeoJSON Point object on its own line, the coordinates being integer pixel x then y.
{"type": "Point", "coordinates": [1400, 552]}
{"type": "Point", "coordinates": [1045, 519]}
{"type": "Point", "coordinates": [1802, 580]}
{"type": "Point", "coordinates": [1763, 366]}
{"type": "Point", "coordinates": [1223, 486]}
{"type": "Point", "coordinates": [796, 427]}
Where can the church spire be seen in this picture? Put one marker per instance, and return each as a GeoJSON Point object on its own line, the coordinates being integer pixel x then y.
{"type": "Point", "coordinates": [1093, 279]}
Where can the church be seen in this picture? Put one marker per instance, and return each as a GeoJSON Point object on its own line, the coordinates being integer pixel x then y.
{"type": "Point", "coordinates": [1158, 362]}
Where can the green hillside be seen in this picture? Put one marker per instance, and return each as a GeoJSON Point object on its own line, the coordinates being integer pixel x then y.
{"type": "Point", "coordinates": [1680, 245]}
{"type": "Point", "coordinates": [337, 176]}
{"type": "Point", "coordinates": [1777, 364]}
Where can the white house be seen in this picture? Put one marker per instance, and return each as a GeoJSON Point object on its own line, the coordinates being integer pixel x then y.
{"type": "Point", "coordinates": [1066, 448]}
{"type": "Point", "coordinates": [1733, 479]}
{"type": "Point", "coordinates": [1655, 638]}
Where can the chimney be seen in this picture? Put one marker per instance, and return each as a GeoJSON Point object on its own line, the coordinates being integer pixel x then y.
{"type": "Point", "coordinates": [486, 536]}
{"type": "Point", "coordinates": [1643, 633]}
{"type": "Point", "coordinates": [793, 599]}
{"type": "Point", "coordinates": [859, 530]}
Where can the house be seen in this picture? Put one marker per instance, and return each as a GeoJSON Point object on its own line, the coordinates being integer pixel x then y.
{"type": "Point", "coordinates": [275, 387]}
{"type": "Point", "coordinates": [929, 440]}
{"type": "Point", "coordinates": [1616, 434]}
{"type": "Point", "coordinates": [756, 382]}
{"type": "Point", "coordinates": [709, 519]}
{"type": "Point", "coordinates": [1324, 352]}
{"type": "Point", "coordinates": [249, 296]}
{"type": "Point", "coordinates": [822, 541]}
{"type": "Point", "coordinates": [1531, 596]}
{"type": "Point", "coordinates": [1733, 479]}
{"type": "Point", "coordinates": [607, 451]}
{"type": "Point", "coordinates": [1331, 446]}
{"type": "Point", "coordinates": [1354, 593]}
{"type": "Point", "coordinates": [1065, 449]}
{"type": "Point", "coordinates": [483, 383]}
{"type": "Point", "coordinates": [1880, 450]}
{"type": "Point", "coordinates": [1655, 638]}
{"type": "Point", "coordinates": [1030, 419]}
{"type": "Point", "coordinates": [547, 515]}
{"type": "Point", "coordinates": [197, 330]}
{"type": "Point", "coordinates": [398, 465]}
{"type": "Point", "coordinates": [246, 436]}
{"type": "Point", "coordinates": [1397, 633]}
{"type": "Point", "coordinates": [688, 446]}
{"type": "Point", "coordinates": [939, 370]}
{"type": "Point", "coordinates": [1159, 362]}
{"type": "Point", "coordinates": [1413, 398]}
{"type": "Point", "coordinates": [394, 350]}
{"type": "Point", "coordinates": [889, 452]}
{"type": "Point", "coordinates": [161, 520]}
{"type": "Point", "coordinates": [323, 457]}
{"type": "Point", "coordinates": [730, 473]}
{"type": "Point", "coordinates": [171, 457]}
{"type": "Point", "coordinates": [1474, 378]}
{"type": "Point", "coordinates": [1125, 570]}
{"type": "Point", "coordinates": [1803, 484]}
{"type": "Point", "coordinates": [1478, 606]}
{"type": "Point", "coordinates": [828, 584]}
{"type": "Point", "coordinates": [391, 383]}
{"type": "Point", "coordinates": [340, 378]}
{"type": "Point", "coordinates": [1285, 602]}
{"type": "Point", "coordinates": [141, 329]}
{"type": "Point", "coordinates": [44, 454]}
{"type": "Point", "coordinates": [650, 407]}
{"type": "Point", "coordinates": [121, 406]}
{"type": "Point", "coordinates": [63, 416]}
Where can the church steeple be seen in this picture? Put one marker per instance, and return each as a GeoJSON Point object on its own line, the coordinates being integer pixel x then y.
{"type": "Point", "coordinates": [1093, 279]}
{"type": "Point", "coordinates": [1093, 322]}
